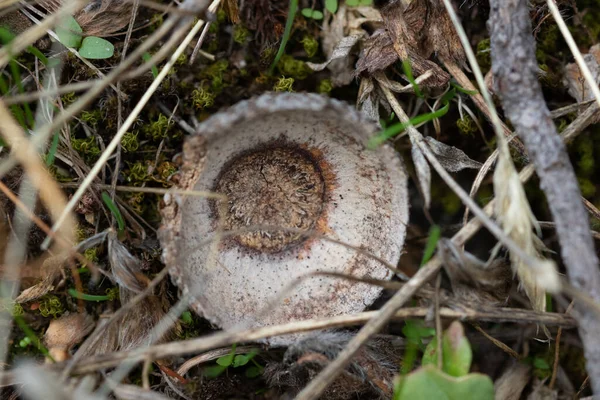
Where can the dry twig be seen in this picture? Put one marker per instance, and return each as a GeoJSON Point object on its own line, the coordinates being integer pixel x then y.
{"type": "Point", "coordinates": [514, 67]}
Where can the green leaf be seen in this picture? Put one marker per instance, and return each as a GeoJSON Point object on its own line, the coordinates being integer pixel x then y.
{"type": "Point", "coordinates": [331, 6]}
{"type": "Point", "coordinates": [286, 33]}
{"type": "Point", "coordinates": [115, 211]}
{"type": "Point", "coordinates": [146, 57]}
{"type": "Point", "coordinates": [243, 359]}
{"type": "Point", "coordinates": [540, 363]}
{"type": "Point", "coordinates": [352, 3]}
{"type": "Point", "coordinates": [69, 32]}
{"type": "Point", "coordinates": [456, 351]}
{"type": "Point", "coordinates": [366, 2]}
{"type": "Point", "coordinates": [430, 383]}
{"type": "Point", "coordinates": [52, 151]}
{"type": "Point", "coordinates": [254, 371]}
{"type": "Point", "coordinates": [227, 360]}
{"type": "Point", "coordinates": [434, 236]}
{"type": "Point", "coordinates": [307, 12]}
{"type": "Point", "coordinates": [213, 371]}
{"type": "Point", "coordinates": [318, 15]}
{"type": "Point", "coordinates": [96, 48]}
{"type": "Point", "coordinates": [415, 331]}
{"type": "Point", "coordinates": [409, 75]}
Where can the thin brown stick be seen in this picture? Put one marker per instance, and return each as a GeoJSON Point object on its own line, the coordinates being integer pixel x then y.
{"type": "Point", "coordinates": [514, 67]}
{"type": "Point", "coordinates": [222, 339]}
{"type": "Point", "coordinates": [502, 346]}
{"type": "Point", "coordinates": [557, 351]}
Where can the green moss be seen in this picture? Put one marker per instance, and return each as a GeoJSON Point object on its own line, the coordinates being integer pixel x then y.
{"type": "Point", "coordinates": [284, 85]}
{"type": "Point", "coordinates": [215, 73]}
{"type": "Point", "coordinates": [484, 55]}
{"type": "Point", "coordinates": [51, 306]}
{"type": "Point", "coordinates": [91, 254]}
{"type": "Point", "coordinates": [113, 293]}
{"type": "Point", "coordinates": [91, 117]}
{"type": "Point", "coordinates": [137, 173]}
{"type": "Point", "coordinates": [297, 69]}
{"type": "Point", "coordinates": [136, 201]}
{"type": "Point", "coordinates": [325, 86]}
{"type": "Point", "coordinates": [311, 45]}
{"type": "Point", "coordinates": [548, 45]}
{"type": "Point", "coordinates": [586, 162]}
{"type": "Point", "coordinates": [240, 34]}
{"type": "Point", "coordinates": [87, 148]}
{"type": "Point", "coordinates": [466, 125]}
{"type": "Point", "coordinates": [158, 129]}
{"type": "Point", "coordinates": [182, 59]}
{"type": "Point", "coordinates": [587, 187]}
{"type": "Point", "coordinates": [165, 170]}
{"type": "Point", "coordinates": [17, 310]}
{"type": "Point", "coordinates": [68, 98]}
{"type": "Point", "coordinates": [203, 98]}
{"type": "Point", "coordinates": [130, 142]}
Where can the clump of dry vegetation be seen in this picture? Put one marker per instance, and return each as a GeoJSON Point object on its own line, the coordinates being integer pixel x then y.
{"type": "Point", "coordinates": [116, 117]}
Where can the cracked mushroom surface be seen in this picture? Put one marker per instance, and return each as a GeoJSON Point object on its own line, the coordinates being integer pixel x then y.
{"type": "Point", "coordinates": [292, 161]}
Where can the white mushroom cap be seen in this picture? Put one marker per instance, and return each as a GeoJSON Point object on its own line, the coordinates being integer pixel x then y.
{"type": "Point", "coordinates": [333, 186]}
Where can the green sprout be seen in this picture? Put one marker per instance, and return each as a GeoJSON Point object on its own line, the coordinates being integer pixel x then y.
{"type": "Point", "coordinates": [314, 14]}
{"type": "Point", "coordinates": [286, 33]}
{"type": "Point", "coordinates": [111, 294]}
{"type": "Point", "coordinates": [70, 34]}
{"type": "Point", "coordinates": [235, 361]}
{"type": "Point", "coordinates": [114, 211]}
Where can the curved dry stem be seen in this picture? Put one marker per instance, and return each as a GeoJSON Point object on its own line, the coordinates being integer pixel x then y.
{"type": "Point", "coordinates": [53, 198]}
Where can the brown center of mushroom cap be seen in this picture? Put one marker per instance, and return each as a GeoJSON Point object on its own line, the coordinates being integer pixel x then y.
{"type": "Point", "coordinates": [271, 186]}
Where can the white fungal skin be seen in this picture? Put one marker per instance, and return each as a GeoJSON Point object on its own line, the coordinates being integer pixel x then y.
{"type": "Point", "coordinates": [366, 206]}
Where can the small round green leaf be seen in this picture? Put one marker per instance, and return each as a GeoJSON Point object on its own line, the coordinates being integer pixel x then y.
{"type": "Point", "coordinates": [307, 12]}
{"type": "Point", "coordinates": [96, 48]}
{"type": "Point", "coordinates": [69, 32]}
{"type": "Point", "coordinates": [331, 5]}
{"type": "Point", "coordinates": [317, 15]}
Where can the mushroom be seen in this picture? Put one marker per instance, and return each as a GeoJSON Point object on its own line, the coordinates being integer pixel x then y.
{"type": "Point", "coordinates": [297, 162]}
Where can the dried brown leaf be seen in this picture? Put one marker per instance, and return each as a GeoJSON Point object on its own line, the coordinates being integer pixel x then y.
{"type": "Point", "coordinates": [574, 80]}
{"type": "Point", "coordinates": [511, 384]}
{"type": "Point", "coordinates": [474, 281]}
{"type": "Point", "coordinates": [125, 268]}
{"type": "Point", "coordinates": [66, 332]}
{"type": "Point", "coordinates": [451, 158]}
{"type": "Point", "coordinates": [423, 172]}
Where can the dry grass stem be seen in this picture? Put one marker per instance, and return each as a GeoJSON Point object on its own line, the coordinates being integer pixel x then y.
{"type": "Point", "coordinates": [583, 67]}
